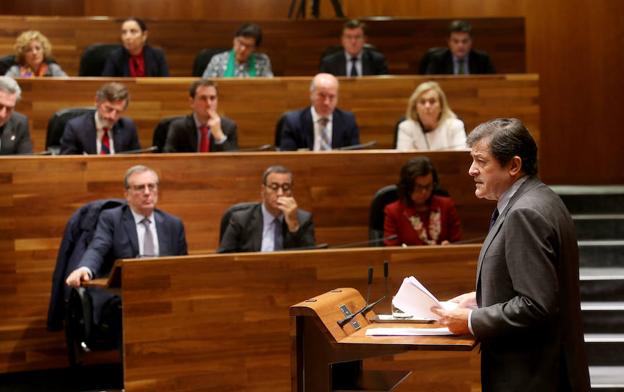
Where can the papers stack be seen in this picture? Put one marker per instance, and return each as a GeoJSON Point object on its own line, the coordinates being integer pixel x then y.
{"type": "Point", "coordinates": [414, 299]}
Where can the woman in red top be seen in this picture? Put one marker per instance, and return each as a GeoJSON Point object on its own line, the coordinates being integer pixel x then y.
{"type": "Point", "coordinates": [419, 217]}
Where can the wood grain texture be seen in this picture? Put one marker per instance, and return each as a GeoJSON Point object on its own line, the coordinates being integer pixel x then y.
{"type": "Point", "coordinates": [39, 194]}
{"type": "Point", "coordinates": [221, 322]}
{"type": "Point", "coordinates": [256, 104]}
{"type": "Point", "coordinates": [295, 47]}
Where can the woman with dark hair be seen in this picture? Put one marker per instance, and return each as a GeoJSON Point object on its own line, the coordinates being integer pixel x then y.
{"type": "Point", "coordinates": [136, 58]}
{"type": "Point", "coordinates": [420, 217]}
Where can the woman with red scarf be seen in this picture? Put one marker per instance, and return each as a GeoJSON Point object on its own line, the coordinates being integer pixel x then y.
{"type": "Point", "coordinates": [136, 58]}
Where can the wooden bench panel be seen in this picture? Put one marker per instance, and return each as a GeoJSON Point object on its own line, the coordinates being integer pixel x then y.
{"type": "Point", "coordinates": [215, 323]}
{"type": "Point", "coordinates": [295, 47]}
{"type": "Point", "coordinates": [256, 104]}
{"type": "Point", "coordinates": [38, 195]}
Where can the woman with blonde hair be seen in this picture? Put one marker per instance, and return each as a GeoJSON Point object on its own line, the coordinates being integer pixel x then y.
{"type": "Point", "coordinates": [33, 57]}
{"type": "Point", "coordinates": [430, 123]}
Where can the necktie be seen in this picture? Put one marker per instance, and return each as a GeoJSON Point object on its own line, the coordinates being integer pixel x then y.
{"type": "Point", "coordinates": [461, 67]}
{"type": "Point", "coordinates": [354, 71]}
{"type": "Point", "coordinates": [493, 217]}
{"type": "Point", "coordinates": [105, 149]}
{"type": "Point", "coordinates": [148, 239]}
{"type": "Point", "coordinates": [277, 235]}
{"type": "Point", "coordinates": [325, 138]}
{"type": "Point", "coordinates": [204, 141]}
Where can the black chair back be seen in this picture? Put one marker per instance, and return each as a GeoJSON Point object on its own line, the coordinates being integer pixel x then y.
{"type": "Point", "coordinates": [225, 219]}
{"type": "Point", "coordinates": [202, 59]}
{"type": "Point", "coordinates": [159, 137]}
{"type": "Point", "coordinates": [56, 126]}
{"type": "Point", "coordinates": [426, 59]}
{"type": "Point", "coordinates": [94, 57]}
{"type": "Point", "coordinates": [6, 62]}
{"type": "Point", "coordinates": [386, 195]}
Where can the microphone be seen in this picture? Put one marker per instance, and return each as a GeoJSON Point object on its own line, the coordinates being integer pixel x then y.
{"type": "Point", "coordinates": [386, 267]}
{"type": "Point", "coordinates": [360, 146]}
{"type": "Point", "coordinates": [263, 147]}
{"type": "Point", "coordinates": [140, 150]}
{"type": "Point", "coordinates": [369, 306]}
{"type": "Point", "coordinates": [365, 243]}
{"type": "Point", "coordinates": [370, 284]}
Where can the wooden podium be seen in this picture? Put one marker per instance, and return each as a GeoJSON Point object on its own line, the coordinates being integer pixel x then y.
{"type": "Point", "coordinates": [328, 357]}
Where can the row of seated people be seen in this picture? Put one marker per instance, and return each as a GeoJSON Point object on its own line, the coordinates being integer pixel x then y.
{"type": "Point", "coordinates": [429, 123]}
{"type": "Point", "coordinates": [420, 216]}
{"type": "Point", "coordinates": [136, 58]}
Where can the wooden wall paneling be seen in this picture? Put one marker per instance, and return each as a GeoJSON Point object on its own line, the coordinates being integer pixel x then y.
{"type": "Point", "coordinates": [221, 322]}
{"type": "Point", "coordinates": [39, 194]}
{"type": "Point", "coordinates": [295, 47]}
{"type": "Point", "coordinates": [256, 104]}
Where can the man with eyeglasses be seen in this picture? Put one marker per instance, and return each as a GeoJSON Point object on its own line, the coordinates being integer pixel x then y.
{"type": "Point", "coordinates": [357, 58]}
{"type": "Point", "coordinates": [242, 60]}
{"type": "Point", "coordinates": [275, 224]}
{"type": "Point", "coordinates": [137, 229]}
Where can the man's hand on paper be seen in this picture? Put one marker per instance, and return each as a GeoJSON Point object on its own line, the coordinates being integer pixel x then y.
{"type": "Point", "coordinates": [468, 300]}
{"type": "Point", "coordinates": [456, 320]}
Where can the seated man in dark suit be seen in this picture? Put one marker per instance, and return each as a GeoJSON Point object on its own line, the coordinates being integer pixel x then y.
{"type": "Point", "coordinates": [460, 58]}
{"type": "Point", "coordinates": [355, 59]}
{"type": "Point", "coordinates": [14, 133]}
{"type": "Point", "coordinates": [135, 229]}
{"type": "Point", "coordinates": [203, 130]}
{"type": "Point", "coordinates": [105, 131]}
{"type": "Point", "coordinates": [275, 224]}
{"type": "Point", "coordinates": [321, 126]}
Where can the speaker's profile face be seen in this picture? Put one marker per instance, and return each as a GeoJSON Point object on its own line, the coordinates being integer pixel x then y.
{"type": "Point", "coordinates": [423, 186]}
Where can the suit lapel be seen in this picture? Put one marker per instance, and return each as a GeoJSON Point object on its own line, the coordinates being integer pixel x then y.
{"type": "Point", "coordinates": [530, 183]}
{"type": "Point", "coordinates": [308, 127]}
{"type": "Point", "coordinates": [192, 132]}
{"type": "Point", "coordinates": [6, 143]}
{"type": "Point", "coordinates": [130, 226]}
{"type": "Point", "coordinates": [337, 125]}
{"type": "Point", "coordinates": [91, 136]}
{"type": "Point", "coordinates": [164, 246]}
{"type": "Point", "coordinates": [366, 63]}
{"type": "Point", "coordinates": [256, 226]}
{"type": "Point", "coordinates": [117, 135]}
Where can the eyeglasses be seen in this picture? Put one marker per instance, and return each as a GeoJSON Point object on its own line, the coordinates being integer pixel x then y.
{"type": "Point", "coordinates": [286, 187]}
{"type": "Point", "coordinates": [423, 188]}
{"type": "Point", "coordinates": [141, 188]}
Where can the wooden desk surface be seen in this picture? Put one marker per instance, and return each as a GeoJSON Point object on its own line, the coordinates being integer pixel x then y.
{"type": "Point", "coordinates": [256, 104]}
{"type": "Point", "coordinates": [221, 322]}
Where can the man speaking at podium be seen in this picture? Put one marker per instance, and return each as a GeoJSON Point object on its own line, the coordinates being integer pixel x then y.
{"type": "Point", "coordinates": [526, 308]}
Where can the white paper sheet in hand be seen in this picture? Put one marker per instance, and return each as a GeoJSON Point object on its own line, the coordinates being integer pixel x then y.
{"type": "Point", "coordinates": [413, 298]}
{"type": "Point", "coordinates": [407, 331]}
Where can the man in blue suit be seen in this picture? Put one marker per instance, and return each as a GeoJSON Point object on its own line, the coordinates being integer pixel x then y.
{"type": "Point", "coordinates": [135, 229]}
{"type": "Point", "coordinates": [103, 131]}
{"type": "Point", "coordinates": [320, 126]}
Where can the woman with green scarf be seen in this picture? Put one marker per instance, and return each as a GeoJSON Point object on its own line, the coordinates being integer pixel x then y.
{"type": "Point", "coordinates": [241, 60]}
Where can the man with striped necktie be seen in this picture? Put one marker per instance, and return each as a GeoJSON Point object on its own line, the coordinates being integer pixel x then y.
{"type": "Point", "coordinates": [103, 131]}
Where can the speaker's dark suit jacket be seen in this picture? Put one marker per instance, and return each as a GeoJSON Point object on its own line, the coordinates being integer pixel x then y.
{"type": "Point", "coordinates": [298, 130]}
{"type": "Point", "coordinates": [442, 63]}
{"type": "Point", "coordinates": [117, 62]}
{"type": "Point", "coordinates": [244, 231]}
{"type": "Point", "coordinates": [373, 63]}
{"type": "Point", "coordinates": [15, 136]}
{"type": "Point", "coordinates": [80, 135]}
{"type": "Point", "coordinates": [528, 318]}
{"type": "Point", "coordinates": [182, 136]}
{"type": "Point", "coordinates": [116, 238]}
